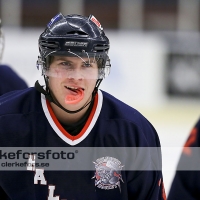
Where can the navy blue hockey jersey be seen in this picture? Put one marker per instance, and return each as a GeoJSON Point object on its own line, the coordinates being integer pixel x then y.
{"type": "Point", "coordinates": [9, 80]}
{"type": "Point", "coordinates": [185, 184]}
{"type": "Point", "coordinates": [27, 120]}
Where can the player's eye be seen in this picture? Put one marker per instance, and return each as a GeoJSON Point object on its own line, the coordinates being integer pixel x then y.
{"type": "Point", "coordinates": [65, 63]}
{"type": "Point", "coordinates": [87, 65]}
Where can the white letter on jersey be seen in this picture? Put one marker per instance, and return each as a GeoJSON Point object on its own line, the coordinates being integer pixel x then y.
{"type": "Point", "coordinates": [51, 191]}
{"type": "Point", "coordinates": [31, 163]}
{"type": "Point", "coordinates": [39, 176]}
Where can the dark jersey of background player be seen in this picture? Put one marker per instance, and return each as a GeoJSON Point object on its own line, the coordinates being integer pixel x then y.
{"type": "Point", "coordinates": [186, 183]}
{"type": "Point", "coordinates": [10, 80]}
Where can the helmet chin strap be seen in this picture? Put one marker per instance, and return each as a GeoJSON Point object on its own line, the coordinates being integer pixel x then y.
{"type": "Point", "coordinates": [52, 98]}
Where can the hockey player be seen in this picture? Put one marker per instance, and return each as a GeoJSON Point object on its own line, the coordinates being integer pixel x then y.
{"type": "Point", "coordinates": [9, 80]}
{"type": "Point", "coordinates": [70, 111]}
{"type": "Point", "coordinates": [185, 184]}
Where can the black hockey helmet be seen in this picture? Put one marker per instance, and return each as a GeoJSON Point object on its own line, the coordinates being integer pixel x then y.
{"type": "Point", "coordinates": [74, 35]}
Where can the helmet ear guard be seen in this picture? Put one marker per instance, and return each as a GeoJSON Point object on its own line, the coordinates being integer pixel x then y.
{"type": "Point", "coordinates": [107, 68]}
{"type": "Point", "coordinates": [41, 65]}
{"type": "Point", "coordinates": [104, 71]}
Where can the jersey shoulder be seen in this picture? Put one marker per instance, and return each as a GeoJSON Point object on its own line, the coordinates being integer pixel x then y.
{"type": "Point", "coordinates": [115, 109]}
{"type": "Point", "coordinates": [118, 109]}
{"type": "Point", "coordinates": [20, 101]}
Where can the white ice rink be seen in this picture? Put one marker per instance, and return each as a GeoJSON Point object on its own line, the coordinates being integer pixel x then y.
{"type": "Point", "coordinates": [136, 77]}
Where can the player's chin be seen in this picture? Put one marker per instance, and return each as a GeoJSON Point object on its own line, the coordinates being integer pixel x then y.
{"type": "Point", "coordinates": [74, 107]}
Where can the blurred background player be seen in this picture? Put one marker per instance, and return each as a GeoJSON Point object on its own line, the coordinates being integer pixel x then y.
{"type": "Point", "coordinates": [71, 111]}
{"type": "Point", "coordinates": [186, 184]}
{"type": "Point", "coordinates": [9, 79]}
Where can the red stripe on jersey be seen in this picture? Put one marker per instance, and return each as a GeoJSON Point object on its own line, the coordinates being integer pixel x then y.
{"type": "Point", "coordinates": [161, 184]}
{"type": "Point", "coordinates": [192, 138]}
{"type": "Point", "coordinates": [64, 132]}
{"type": "Point", "coordinates": [163, 192]}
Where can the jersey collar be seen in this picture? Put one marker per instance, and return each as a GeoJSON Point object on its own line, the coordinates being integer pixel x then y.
{"type": "Point", "coordinates": [61, 132]}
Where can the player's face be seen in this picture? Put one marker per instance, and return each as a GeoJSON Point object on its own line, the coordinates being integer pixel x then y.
{"type": "Point", "coordinates": [72, 80]}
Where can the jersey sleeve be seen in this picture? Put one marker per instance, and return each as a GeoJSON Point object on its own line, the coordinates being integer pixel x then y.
{"type": "Point", "coordinates": [148, 183]}
{"type": "Point", "coordinates": [185, 184]}
{"type": "Point", "coordinates": [151, 189]}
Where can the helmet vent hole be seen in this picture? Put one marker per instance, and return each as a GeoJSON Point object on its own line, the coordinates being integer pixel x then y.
{"type": "Point", "coordinates": [101, 47]}
{"type": "Point", "coordinates": [49, 45]}
{"type": "Point", "coordinates": [78, 33]}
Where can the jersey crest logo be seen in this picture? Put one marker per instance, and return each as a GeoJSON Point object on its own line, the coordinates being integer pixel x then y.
{"type": "Point", "coordinates": [108, 173]}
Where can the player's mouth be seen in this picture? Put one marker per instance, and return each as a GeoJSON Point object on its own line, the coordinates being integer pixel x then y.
{"type": "Point", "coordinates": [74, 89]}
{"type": "Point", "coordinates": [75, 95]}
